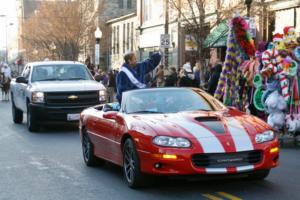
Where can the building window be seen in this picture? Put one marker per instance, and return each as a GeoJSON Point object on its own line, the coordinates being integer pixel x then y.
{"type": "Point", "coordinates": [121, 4]}
{"type": "Point", "coordinates": [128, 39]}
{"type": "Point", "coordinates": [118, 40]}
{"type": "Point", "coordinates": [129, 4]}
{"type": "Point", "coordinates": [131, 39]}
{"type": "Point", "coordinates": [124, 38]}
{"type": "Point", "coordinates": [147, 10]}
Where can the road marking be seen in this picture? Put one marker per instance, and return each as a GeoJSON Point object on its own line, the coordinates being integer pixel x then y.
{"type": "Point", "coordinates": [228, 196]}
{"type": "Point", "coordinates": [212, 197]}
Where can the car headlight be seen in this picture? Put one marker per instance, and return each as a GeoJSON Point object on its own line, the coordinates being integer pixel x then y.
{"type": "Point", "coordinates": [102, 95]}
{"type": "Point", "coordinates": [167, 141]}
{"type": "Point", "coordinates": [265, 136]}
{"type": "Point", "coordinates": [37, 97]}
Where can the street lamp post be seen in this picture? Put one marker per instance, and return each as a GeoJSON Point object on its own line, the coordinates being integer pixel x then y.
{"type": "Point", "coordinates": [98, 35]}
{"type": "Point", "coordinates": [248, 4]}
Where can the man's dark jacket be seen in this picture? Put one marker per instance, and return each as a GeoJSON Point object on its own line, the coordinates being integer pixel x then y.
{"type": "Point", "coordinates": [139, 72]}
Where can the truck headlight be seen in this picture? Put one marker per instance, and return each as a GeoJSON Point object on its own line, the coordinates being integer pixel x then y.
{"type": "Point", "coordinates": [37, 97]}
{"type": "Point", "coordinates": [102, 95]}
{"type": "Point", "coordinates": [167, 141]}
{"type": "Point", "coordinates": [265, 136]}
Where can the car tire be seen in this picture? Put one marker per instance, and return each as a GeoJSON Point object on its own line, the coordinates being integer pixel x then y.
{"type": "Point", "coordinates": [131, 167]}
{"type": "Point", "coordinates": [17, 114]}
{"type": "Point", "coordinates": [259, 175]}
{"type": "Point", "coordinates": [88, 152]}
{"type": "Point", "coordinates": [32, 124]}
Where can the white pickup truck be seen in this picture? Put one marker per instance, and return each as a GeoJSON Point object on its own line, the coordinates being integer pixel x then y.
{"type": "Point", "coordinates": [54, 91]}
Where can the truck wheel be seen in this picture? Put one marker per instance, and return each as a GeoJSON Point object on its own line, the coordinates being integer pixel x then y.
{"type": "Point", "coordinates": [17, 114]}
{"type": "Point", "coordinates": [32, 125]}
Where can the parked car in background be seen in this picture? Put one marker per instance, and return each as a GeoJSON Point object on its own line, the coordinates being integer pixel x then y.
{"type": "Point", "coordinates": [177, 131]}
{"type": "Point", "coordinates": [54, 91]}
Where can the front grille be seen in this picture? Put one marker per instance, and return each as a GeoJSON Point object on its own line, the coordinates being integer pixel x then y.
{"type": "Point", "coordinates": [223, 160]}
{"type": "Point", "coordinates": [85, 98]}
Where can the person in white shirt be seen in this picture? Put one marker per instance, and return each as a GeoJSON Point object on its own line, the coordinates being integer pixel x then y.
{"type": "Point", "coordinates": [6, 71]}
{"type": "Point", "coordinates": [5, 81]}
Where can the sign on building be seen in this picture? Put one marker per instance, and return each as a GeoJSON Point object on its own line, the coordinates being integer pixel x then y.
{"type": "Point", "coordinates": [190, 43]}
{"type": "Point", "coordinates": [252, 26]}
{"type": "Point", "coordinates": [164, 41]}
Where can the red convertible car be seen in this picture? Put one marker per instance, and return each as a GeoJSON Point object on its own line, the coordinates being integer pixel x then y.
{"type": "Point", "coordinates": [176, 131]}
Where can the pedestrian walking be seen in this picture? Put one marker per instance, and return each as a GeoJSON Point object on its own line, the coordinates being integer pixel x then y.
{"type": "Point", "coordinates": [132, 73]}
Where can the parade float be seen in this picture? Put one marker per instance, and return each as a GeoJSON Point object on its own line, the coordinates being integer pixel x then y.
{"type": "Point", "coordinates": [263, 81]}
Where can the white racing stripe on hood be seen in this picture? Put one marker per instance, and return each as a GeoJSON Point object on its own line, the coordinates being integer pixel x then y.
{"type": "Point", "coordinates": [245, 168]}
{"type": "Point", "coordinates": [207, 139]}
{"type": "Point", "coordinates": [239, 135]}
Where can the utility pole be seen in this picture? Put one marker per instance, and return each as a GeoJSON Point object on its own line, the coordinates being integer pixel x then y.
{"type": "Point", "coordinates": [166, 52]}
{"type": "Point", "coordinates": [248, 4]}
{"type": "Point", "coordinates": [179, 40]}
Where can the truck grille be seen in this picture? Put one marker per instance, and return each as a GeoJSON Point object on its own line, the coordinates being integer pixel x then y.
{"type": "Point", "coordinates": [223, 160]}
{"type": "Point", "coordinates": [85, 98]}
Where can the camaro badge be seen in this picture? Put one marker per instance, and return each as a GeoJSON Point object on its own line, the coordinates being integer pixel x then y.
{"type": "Point", "coordinates": [72, 97]}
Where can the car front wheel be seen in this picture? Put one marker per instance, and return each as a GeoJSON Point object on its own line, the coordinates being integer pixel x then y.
{"type": "Point", "coordinates": [131, 166]}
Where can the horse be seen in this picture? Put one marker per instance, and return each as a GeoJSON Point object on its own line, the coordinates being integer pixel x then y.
{"type": "Point", "coordinates": [5, 87]}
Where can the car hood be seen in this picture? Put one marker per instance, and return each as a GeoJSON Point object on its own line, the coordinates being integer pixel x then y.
{"type": "Point", "coordinates": [60, 86]}
{"type": "Point", "coordinates": [211, 129]}
{"type": "Point", "coordinates": [218, 123]}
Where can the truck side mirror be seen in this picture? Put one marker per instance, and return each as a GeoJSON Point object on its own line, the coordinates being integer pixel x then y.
{"type": "Point", "coordinates": [21, 79]}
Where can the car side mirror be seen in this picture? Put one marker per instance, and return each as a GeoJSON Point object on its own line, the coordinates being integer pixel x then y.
{"type": "Point", "coordinates": [110, 115]}
{"type": "Point", "coordinates": [21, 79]}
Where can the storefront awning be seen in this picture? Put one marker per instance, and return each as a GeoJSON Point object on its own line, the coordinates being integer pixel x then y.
{"type": "Point", "coordinates": [218, 37]}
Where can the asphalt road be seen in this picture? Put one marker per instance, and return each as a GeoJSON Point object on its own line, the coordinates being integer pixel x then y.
{"type": "Point", "coordinates": [49, 166]}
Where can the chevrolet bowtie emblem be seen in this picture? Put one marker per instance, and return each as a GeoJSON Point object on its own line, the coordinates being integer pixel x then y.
{"type": "Point", "coordinates": [72, 97]}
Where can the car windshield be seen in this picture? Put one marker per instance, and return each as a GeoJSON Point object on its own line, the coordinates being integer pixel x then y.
{"type": "Point", "coordinates": [165, 101]}
{"type": "Point", "coordinates": [60, 73]}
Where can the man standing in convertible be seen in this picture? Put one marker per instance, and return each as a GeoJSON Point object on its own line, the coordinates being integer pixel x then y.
{"type": "Point", "coordinates": [132, 73]}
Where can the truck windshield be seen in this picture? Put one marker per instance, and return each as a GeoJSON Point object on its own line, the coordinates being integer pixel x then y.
{"type": "Point", "coordinates": [66, 72]}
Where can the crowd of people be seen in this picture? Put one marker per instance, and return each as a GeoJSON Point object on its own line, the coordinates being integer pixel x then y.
{"type": "Point", "coordinates": [183, 76]}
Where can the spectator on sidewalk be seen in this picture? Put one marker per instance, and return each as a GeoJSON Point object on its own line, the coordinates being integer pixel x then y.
{"type": "Point", "coordinates": [111, 86]}
{"type": "Point", "coordinates": [214, 79]}
{"type": "Point", "coordinates": [184, 79]}
{"type": "Point", "coordinates": [160, 76]}
{"type": "Point", "coordinates": [196, 71]}
{"type": "Point", "coordinates": [171, 79]}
